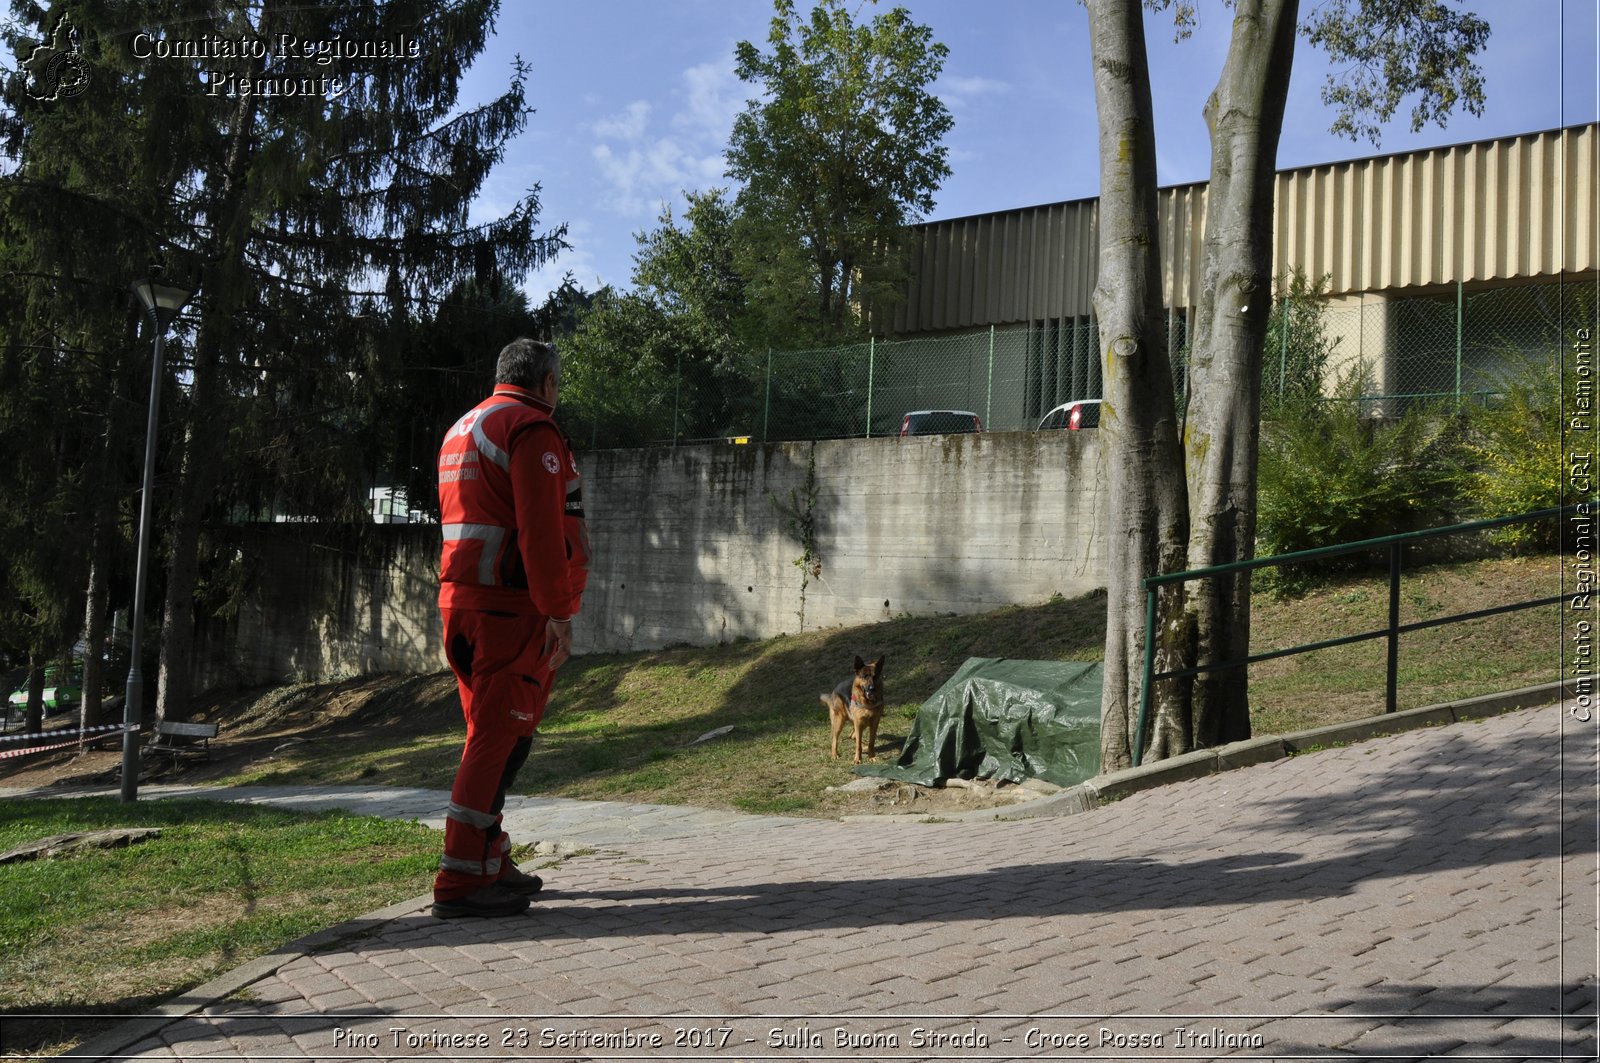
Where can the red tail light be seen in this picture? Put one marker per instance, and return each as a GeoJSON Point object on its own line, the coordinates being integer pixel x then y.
{"type": "Point", "coordinates": [905, 425]}
{"type": "Point", "coordinates": [1075, 420]}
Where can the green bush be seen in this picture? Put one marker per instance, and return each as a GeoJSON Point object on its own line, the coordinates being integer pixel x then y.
{"type": "Point", "coordinates": [1514, 447]}
{"type": "Point", "coordinates": [1298, 347]}
{"type": "Point", "coordinates": [1328, 475]}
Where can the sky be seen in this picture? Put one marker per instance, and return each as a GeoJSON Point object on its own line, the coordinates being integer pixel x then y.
{"type": "Point", "coordinates": [634, 101]}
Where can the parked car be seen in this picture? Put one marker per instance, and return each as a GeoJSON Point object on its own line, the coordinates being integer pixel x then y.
{"type": "Point", "coordinates": [939, 422]}
{"type": "Point", "coordinates": [60, 693]}
{"type": "Point", "coordinates": [1079, 413]}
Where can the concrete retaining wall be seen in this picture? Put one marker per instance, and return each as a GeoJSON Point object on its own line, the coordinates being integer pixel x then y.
{"type": "Point", "coordinates": [322, 602]}
{"type": "Point", "coordinates": [703, 544]}
{"type": "Point", "coordinates": [698, 545]}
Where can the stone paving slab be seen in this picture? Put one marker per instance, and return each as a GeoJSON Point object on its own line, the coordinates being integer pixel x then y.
{"type": "Point", "coordinates": [1430, 894]}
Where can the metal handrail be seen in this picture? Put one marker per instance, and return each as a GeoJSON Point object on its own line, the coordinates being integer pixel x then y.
{"type": "Point", "coordinates": [1392, 631]}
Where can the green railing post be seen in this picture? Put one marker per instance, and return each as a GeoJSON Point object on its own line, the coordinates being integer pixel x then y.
{"type": "Point", "coordinates": [766, 414]}
{"type": "Point", "coordinates": [988, 400]}
{"type": "Point", "coordinates": [1392, 680]}
{"type": "Point", "coordinates": [1149, 672]}
{"type": "Point", "coordinates": [872, 350]}
{"type": "Point", "coordinates": [1459, 320]}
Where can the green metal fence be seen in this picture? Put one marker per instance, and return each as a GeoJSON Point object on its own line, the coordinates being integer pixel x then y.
{"type": "Point", "coordinates": [1392, 546]}
{"type": "Point", "coordinates": [1387, 353]}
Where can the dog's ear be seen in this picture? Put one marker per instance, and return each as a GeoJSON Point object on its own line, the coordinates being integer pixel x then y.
{"type": "Point", "coordinates": [860, 664]}
{"type": "Point", "coordinates": [877, 666]}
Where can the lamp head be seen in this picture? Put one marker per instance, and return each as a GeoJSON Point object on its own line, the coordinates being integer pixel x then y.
{"type": "Point", "coordinates": [165, 301]}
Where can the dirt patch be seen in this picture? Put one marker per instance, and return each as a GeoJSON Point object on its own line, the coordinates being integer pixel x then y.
{"type": "Point", "coordinates": [253, 726]}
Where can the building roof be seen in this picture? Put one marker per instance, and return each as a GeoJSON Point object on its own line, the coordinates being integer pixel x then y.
{"type": "Point", "coordinates": [1508, 208]}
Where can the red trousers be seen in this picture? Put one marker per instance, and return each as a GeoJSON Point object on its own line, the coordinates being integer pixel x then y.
{"type": "Point", "coordinates": [504, 681]}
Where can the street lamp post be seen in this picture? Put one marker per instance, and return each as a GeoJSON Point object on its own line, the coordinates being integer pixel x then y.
{"type": "Point", "coordinates": [162, 302]}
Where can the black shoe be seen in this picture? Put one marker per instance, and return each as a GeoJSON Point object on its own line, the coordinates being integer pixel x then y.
{"type": "Point", "coordinates": [488, 902]}
{"type": "Point", "coordinates": [519, 881]}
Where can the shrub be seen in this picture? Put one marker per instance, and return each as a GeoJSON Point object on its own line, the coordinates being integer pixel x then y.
{"type": "Point", "coordinates": [1298, 347]}
{"type": "Point", "coordinates": [1328, 475]}
{"type": "Point", "coordinates": [1515, 449]}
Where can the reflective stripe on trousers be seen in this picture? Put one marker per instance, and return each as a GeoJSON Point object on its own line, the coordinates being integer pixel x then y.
{"type": "Point", "coordinates": [495, 841]}
{"type": "Point", "coordinates": [483, 821]}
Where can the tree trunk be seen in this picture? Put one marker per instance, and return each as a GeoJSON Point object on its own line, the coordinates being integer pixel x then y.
{"type": "Point", "coordinates": [1142, 464]}
{"type": "Point", "coordinates": [33, 716]}
{"type": "Point", "coordinates": [199, 466]}
{"type": "Point", "coordinates": [1222, 430]}
{"type": "Point", "coordinates": [229, 218]}
{"type": "Point", "coordinates": [97, 593]}
{"type": "Point", "coordinates": [94, 628]}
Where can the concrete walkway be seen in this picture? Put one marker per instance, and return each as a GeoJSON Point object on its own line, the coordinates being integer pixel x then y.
{"type": "Point", "coordinates": [557, 822]}
{"type": "Point", "coordinates": [1432, 893]}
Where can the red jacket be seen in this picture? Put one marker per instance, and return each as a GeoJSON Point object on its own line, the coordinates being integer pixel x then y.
{"type": "Point", "coordinates": [511, 502]}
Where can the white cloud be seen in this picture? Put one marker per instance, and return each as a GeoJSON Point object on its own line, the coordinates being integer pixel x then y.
{"type": "Point", "coordinates": [642, 168]}
{"type": "Point", "coordinates": [629, 125]}
{"type": "Point", "coordinates": [959, 92]}
{"type": "Point", "coordinates": [713, 98]}
{"type": "Point", "coordinates": [541, 283]}
{"type": "Point", "coordinates": [629, 173]}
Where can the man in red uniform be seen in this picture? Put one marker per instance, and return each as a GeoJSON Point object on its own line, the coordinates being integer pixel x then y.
{"type": "Point", "coordinates": [512, 574]}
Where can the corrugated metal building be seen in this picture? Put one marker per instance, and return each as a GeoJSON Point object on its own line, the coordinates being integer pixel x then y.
{"type": "Point", "coordinates": [1431, 227]}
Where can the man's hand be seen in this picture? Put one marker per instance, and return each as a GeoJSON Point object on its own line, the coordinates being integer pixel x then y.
{"type": "Point", "coordinates": [557, 642]}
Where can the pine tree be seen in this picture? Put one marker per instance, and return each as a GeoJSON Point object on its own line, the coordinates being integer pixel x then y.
{"type": "Point", "coordinates": [313, 212]}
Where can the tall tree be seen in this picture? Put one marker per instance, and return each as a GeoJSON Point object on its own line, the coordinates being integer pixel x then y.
{"type": "Point", "coordinates": [316, 197]}
{"type": "Point", "coordinates": [838, 155]}
{"type": "Point", "coordinates": [67, 329]}
{"type": "Point", "coordinates": [693, 271]}
{"type": "Point", "coordinates": [697, 275]}
{"type": "Point", "coordinates": [674, 357]}
{"type": "Point", "coordinates": [44, 488]}
{"type": "Point", "coordinates": [432, 364]}
{"type": "Point", "coordinates": [620, 371]}
{"type": "Point", "coordinates": [1223, 423]}
{"type": "Point", "coordinates": [1390, 50]}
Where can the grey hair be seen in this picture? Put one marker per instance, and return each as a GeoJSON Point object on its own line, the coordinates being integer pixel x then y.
{"type": "Point", "coordinates": [524, 363]}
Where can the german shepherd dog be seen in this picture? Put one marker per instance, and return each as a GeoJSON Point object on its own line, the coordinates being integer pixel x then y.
{"type": "Point", "coordinates": [858, 699]}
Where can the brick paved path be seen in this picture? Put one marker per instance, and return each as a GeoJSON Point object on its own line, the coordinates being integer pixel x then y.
{"type": "Point", "coordinates": [1400, 898]}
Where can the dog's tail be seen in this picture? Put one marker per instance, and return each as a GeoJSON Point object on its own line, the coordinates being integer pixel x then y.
{"type": "Point", "coordinates": [827, 701]}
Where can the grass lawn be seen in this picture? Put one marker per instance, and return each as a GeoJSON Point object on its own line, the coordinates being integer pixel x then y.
{"type": "Point", "coordinates": [623, 726]}
{"type": "Point", "coordinates": [119, 930]}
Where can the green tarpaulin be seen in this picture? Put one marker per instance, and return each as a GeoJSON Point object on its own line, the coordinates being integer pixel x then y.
{"type": "Point", "coordinates": [1005, 720]}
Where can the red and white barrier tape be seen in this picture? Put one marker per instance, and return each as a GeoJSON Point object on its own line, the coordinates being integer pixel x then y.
{"type": "Point", "coordinates": [74, 732]}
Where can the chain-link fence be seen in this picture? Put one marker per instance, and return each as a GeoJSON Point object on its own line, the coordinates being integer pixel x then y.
{"type": "Point", "coordinates": [1392, 354]}
{"type": "Point", "coordinates": [1007, 377]}
{"type": "Point", "coordinates": [1386, 353]}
